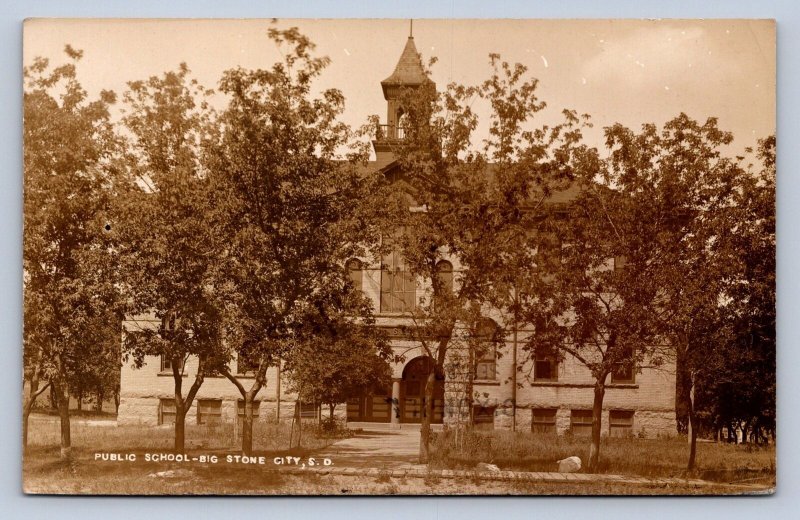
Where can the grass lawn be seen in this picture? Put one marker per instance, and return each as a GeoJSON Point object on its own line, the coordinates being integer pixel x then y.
{"type": "Point", "coordinates": [43, 472]}
{"type": "Point", "coordinates": [524, 451]}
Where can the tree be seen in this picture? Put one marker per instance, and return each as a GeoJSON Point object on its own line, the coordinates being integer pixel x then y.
{"type": "Point", "coordinates": [98, 376]}
{"type": "Point", "coordinates": [70, 177]}
{"type": "Point", "coordinates": [731, 375]}
{"type": "Point", "coordinates": [701, 196]}
{"type": "Point", "coordinates": [447, 201]}
{"type": "Point", "coordinates": [338, 351]}
{"type": "Point", "coordinates": [285, 202]}
{"type": "Point", "coordinates": [602, 297]}
{"type": "Point", "coordinates": [169, 248]}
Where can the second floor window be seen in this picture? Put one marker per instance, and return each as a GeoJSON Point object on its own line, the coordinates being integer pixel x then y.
{"type": "Point", "coordinates": [355, 270]}
{"type": "Point", "coordinates": [545, 365]}
{"type": "Point", "coordinates": [487, 336]}
{"type": "Point", "coordinates": [166, 364]}
{"type": "Point", "coordinates": [398, 285]}
{"type": "Point", "coordinates": [624, 370]}
{"type": "Point", "coordinates": [247, 363]}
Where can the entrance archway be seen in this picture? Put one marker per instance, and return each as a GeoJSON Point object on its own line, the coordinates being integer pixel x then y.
{"type": "Point", "coordinates": [412, 392]}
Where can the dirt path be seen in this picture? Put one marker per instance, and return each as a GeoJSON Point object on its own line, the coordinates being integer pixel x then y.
{"type": "Point", "coordinates": [382, 449]}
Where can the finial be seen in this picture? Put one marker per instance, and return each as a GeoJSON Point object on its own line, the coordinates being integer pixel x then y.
{"type": "Point", "coordinates": [411, 28]}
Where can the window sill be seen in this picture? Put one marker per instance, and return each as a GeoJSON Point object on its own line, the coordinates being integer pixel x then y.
{"type": "Point", "coordinates": [486, 382]}
{"type": "Point", "coordinates": [583, 385]}
{"type": "Point", "coordinates": [169, 374]}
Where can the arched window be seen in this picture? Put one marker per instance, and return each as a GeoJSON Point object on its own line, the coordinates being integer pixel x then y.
{"type": "Point", "coordinates": [355, 271]}
{"type": "Point", "coordinates": [398, 285]}
{"type": "Point", "coordinates": [402, 121]}
{"type": "Point", "coordinates": [444, 276]}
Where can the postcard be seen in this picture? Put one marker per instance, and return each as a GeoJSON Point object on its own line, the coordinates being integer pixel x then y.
{"type": "Point", "coordinates": [399, 257]}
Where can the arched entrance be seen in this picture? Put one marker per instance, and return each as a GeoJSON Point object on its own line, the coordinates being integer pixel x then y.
{"type": "Point", "coordinates": [412, 392]}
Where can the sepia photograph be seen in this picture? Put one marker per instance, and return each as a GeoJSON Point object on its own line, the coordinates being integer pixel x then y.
{"type": "Point", "coordinates": [399, 257]}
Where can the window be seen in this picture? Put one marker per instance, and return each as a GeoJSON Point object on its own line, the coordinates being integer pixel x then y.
{"type": "Point", "coordinates": [308, 410]}
{"type": "Point", "coordinates": [620, 262]}
{"type": "Point", "coordinates": [246, 364]}
{"type": "Point", "coordinates": [624, 371]}
{"type": "Point", "coordinates": [166, 411]}
{"type": "Point", "coordinates": [240, 412]}
{"type": "Point", "coordinates": [620, 423]}
{"type": "Point", "coordinates": [209, 411]}
{"type": "Point", "coordinates": [166, 364]}
{"type": "Point", "coordinates": [444, 275]}
{"type": "Point", "coordinates": [544, 420]}
{"type": "Point", "coordinates": [486, 366]}
{"type": "Point", "coordinates": [487, 335]}
{"type": "Point", "coordinates": [355, 271]}
{"type": "Point", "coordinates": [398, 285]}
{"type": "Point", "coordinates": [580, 422]}
{"type": "Point", "coordinates": [483, 417]}
{"type": "Point", "coordinates": [549, 250]}
{"type": "Point", "coordinates": [545, 365]}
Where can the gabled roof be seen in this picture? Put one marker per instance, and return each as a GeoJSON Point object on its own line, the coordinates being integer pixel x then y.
{"type": "Point", "coordinates": [409, 70]}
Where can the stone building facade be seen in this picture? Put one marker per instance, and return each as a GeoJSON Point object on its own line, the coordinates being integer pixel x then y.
{"type": "Point", "coordinates": [550, 397]}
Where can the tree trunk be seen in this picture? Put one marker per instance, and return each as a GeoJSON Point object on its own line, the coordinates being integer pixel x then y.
{"type": "Point", "coordinates": [80, 400]}
{"type": "Point", "coordinates": [692, 426]}
{"type": "Point", "coordinates": [427, 415]}
{"type": "Point", "coordinates": [298, 418]}
{"type": "Point", "coordinates": [247, 424]}
{"type": "Point", "coordinates": [33, 393]}
{"type": "Point", "coordinates": [62, 397]}
{"type": "Point", "coordinates": [180, 426]}
{"type": "Point", "coordinates": [53, 397]}
{"type": "Point", "coordinates": [331, 417]}
{"type": "Point", "coordinates": [597, 425]}
{"type": "Point", "coordinates": [98, 407]}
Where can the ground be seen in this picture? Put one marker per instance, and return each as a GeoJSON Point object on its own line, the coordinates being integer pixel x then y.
{"type": "Point", "coordinates": [369, 462]}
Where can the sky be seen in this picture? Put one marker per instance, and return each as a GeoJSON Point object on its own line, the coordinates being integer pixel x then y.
{"type": "Point", "coordinates": [626, 71]}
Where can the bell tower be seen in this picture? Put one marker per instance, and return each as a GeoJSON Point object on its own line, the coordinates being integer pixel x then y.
{"type": "Point", "coordinates": [408, 73]}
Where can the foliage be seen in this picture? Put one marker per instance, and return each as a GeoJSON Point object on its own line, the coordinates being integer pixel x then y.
{"type": "Point", "coordinates": [338, 351]}
{"type": "Point", "coordinates": [169, 249]}
{"type": "Point", "coordinates": [68, 256]}
{"type": "Point", "coordinates": [284, 200]}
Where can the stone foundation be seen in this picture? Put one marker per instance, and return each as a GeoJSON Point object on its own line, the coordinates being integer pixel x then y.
{"type": "Point", "coordinates": [144, 411]}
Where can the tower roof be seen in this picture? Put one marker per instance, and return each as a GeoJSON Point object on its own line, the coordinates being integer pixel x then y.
{"type": "Point", "coordinates": [409, 69]}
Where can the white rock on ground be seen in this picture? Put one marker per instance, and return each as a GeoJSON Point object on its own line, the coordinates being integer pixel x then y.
{"type": "Point", "coordinates": [569, 465]}
{"type": "Point", "coordinates": [482, 466]}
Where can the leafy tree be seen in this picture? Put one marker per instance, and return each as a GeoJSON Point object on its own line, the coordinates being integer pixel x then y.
{"type": "Point", "coordinates": [731, 375]}
{"type": "Point", "coordinates": [702, 184]}
{"type": "Point", "coordinates": [98, 376]}
{"type": "Point", "coordinates": [447, 201]}
{"type": "Point", "coordinates": [69, 280]}
{"type": "Point", "coordinates": [338, 351]}
{"type": "Point", "coordinates": [284, 201]}
{"type": "Point", "coordinates": [596, 294]}
{"type": "Point", "coordinates": [169, 248]}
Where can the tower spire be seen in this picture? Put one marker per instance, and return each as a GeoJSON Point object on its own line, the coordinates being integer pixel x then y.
{"type": "Point", "coordinates": [411, 28]}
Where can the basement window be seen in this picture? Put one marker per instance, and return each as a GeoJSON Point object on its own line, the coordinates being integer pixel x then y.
{"type": "Point", "coordinates": [483, 417]}
{"type": "Point", "coordinates": [166, 411]}
{"type": "Point", "coordinates": [620, 423]}
{"type": "Point", "coordinates": [581, 422]}
{"type": "Point", "coordinates": [209, 411]}
{"type": "Point", "coordinates": [544, 420]}
{"type": "Point", "coordinates": [240, 412]}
